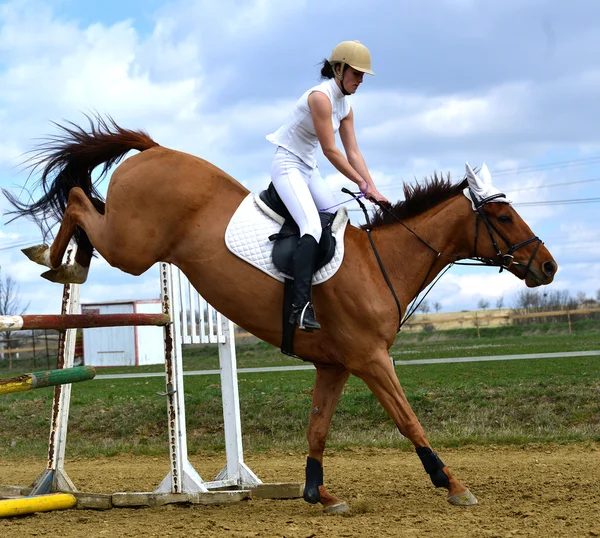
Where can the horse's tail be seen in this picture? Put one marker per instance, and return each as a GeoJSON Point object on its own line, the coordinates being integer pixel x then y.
{"type": "Point", "coordinates": [68, 159]}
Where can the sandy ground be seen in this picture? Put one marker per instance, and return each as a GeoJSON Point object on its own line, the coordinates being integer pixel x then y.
{"type": "Point", "coordinates": [534, 491]}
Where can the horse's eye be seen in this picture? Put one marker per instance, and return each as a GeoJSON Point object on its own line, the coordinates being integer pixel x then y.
{"type": "Point", "coordinates": [505, 219]}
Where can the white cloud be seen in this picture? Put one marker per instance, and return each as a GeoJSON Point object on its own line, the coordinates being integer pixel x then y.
{"type": "Point", "coordinates": [8, 236]}
{"type": "Point", "coordinates": [232, 20]}
{"type": "Point", "coordinates": [463, 291]}
{"type": "Point", "coordinates": [581, 232]}
{"type": "Point", "coordinates": [98, 68]}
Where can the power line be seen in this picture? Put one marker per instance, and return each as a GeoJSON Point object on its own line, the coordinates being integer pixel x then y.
{"type": "Point", "coordinates": [562, 184]}
{"type": "Point", "coordinates": [567, 183]}
{"type": "Point", "coordinates": [19, 244]}
{"type": "Point", "coordinates": [547, 166]}
{"type": "Point", "coordinates": [574, 201]}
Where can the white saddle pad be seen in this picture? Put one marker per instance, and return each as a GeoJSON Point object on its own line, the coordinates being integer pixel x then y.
{"type": "Point", "coordinates": [247, 236]}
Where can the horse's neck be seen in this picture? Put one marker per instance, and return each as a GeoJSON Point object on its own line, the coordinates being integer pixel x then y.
{"type": "Point", "coordinates": [408, 260]}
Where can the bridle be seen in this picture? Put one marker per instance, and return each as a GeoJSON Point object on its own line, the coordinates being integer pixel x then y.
{"type": "Point", "coordinates": [504, 261]}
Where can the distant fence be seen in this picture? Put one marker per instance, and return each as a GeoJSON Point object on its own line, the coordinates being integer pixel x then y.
{"type": "Point", "coordinates": [495, 318]}
{"type": "Point", "coordinates": [35, 348]}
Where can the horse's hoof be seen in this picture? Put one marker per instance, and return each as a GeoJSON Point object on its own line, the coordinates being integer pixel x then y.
{"type": "Point", "coordinates": [463, 499]}
{"type": "Point", "coordinates": [67, 274]}
{"type": "Point", "coordinates": [38, 254]}
{"type": "Point", "coordinates": [339, 508]}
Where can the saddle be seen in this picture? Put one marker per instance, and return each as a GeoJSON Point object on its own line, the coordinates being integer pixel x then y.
{"type": "Point", "coordinates": [286, 240]}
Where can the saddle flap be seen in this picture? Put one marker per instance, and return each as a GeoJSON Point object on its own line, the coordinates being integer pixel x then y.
{"type": "Point", "coordinates": [286, 241]}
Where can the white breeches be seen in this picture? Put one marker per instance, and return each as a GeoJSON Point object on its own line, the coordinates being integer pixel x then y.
{"type": "Point", "coordinates": [302, 189]}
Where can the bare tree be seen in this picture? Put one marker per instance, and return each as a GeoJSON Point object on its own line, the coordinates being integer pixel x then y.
{"type": "Point", "coordinates": [529, 301]}
{"type": "Point", "coordinates": [483, 304]}
{"type": "Point", "coordinates": [424, 307]}
{"type": "Point", "coordinates": [10, 304]}
{"type": "Point", "coordinates": [437, 306]}
{"type": "Point", "coordinates": [500, 302]}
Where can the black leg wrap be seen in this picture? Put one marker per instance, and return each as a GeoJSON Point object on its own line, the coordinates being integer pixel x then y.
{"type": "Point", "coordinates": [314, 479]}
{"type": "Point", "coordinates": [433, 466]}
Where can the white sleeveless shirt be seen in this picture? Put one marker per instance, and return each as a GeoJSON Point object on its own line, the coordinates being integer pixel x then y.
{"type": "Point", "coordinates": [298, 134]}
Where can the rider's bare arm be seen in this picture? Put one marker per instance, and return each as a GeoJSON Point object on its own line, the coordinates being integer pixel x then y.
{"type": "Point", "coordinates": [320, 107]}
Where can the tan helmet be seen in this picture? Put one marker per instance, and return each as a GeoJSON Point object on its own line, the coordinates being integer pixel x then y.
{"type": "Point", "coordinates": [354, 54]}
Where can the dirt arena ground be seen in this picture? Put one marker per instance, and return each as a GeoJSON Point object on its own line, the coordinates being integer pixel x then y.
{"type": "Point", "coordinates": [534, 491]}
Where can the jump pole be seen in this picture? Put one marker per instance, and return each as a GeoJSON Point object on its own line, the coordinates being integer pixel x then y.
{"type": "Point", "coordinates": [79, 321]}
{"type": "Point", "coordinates": [38, 503]}
{"type": "Point", "coordinates": [37, 380]}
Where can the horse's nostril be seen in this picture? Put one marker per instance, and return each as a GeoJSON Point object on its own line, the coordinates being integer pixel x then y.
{"type": "Point", "coordinates": [549, 268]}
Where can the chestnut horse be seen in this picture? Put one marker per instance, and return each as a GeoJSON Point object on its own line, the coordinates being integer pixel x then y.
{"type": "Point", "coordinates": [164, 205]}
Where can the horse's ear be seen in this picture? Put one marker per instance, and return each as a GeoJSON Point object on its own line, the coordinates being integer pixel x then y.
{"type": "Point", "coordinates": [484, 175]}
{"type": "Point", "coordinates": [474, 181]}
{"type": "Point", "coordinates": [480, 185]}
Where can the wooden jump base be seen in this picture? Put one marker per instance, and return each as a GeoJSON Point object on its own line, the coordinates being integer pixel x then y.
{"type": "Point", "coordinates": [108, 501]}
{"type": "Point", "coordinates": [38, 503]}
{"type": "Point", "coordinates": [186, 318]}
{"type": "Point", "coordinates": [80, 321]}
{"type": "Point", "coordinates": [49, 378]}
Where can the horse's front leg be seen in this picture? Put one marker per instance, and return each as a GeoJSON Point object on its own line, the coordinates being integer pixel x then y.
{"type": "Point", "coordinates": [379, 375]}
{"type": "Point", "coordinates": [329, 383]}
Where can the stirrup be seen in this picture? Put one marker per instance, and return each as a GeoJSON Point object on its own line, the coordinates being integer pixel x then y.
{"type": "Point", "coordinates": [305, 318]}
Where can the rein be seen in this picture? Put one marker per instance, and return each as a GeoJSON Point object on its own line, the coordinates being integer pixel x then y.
{"type": "Point", "coordinates": [411, 310]}
{"type": "Point", "coordinates": [379, 260]}
{"type": "Point", "coordinates": [504, 261]}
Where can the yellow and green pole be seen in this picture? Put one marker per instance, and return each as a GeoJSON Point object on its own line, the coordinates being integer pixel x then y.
{"type": "Point", "coordinates": [48, 378]}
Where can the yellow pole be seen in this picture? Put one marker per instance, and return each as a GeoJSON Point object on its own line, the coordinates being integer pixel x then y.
{"type": "Point", "coordinates": [38, 503]}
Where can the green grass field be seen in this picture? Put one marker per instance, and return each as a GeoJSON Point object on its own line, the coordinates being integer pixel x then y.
{"type": "Point", "coordinates": [500, 402]}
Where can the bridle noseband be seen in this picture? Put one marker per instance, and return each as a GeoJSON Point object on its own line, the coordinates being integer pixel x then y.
{"type": "Point", "coordinates": [504, 261]}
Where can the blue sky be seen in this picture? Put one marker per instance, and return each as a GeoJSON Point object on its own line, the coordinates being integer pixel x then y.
{"type": "Point", "coordinates": [512, 83]}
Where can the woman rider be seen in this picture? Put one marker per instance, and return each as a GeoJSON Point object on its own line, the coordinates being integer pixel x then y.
{"type": "Point", "coordinates": [314, 120]}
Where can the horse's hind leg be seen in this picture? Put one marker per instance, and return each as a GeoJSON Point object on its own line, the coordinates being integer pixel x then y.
{"type": "Point", "coordinates": [380, 377]}
{"type": "Point", "coordinates": [76, 273]}
{"type": "Point", "coordinates": [328, 386]}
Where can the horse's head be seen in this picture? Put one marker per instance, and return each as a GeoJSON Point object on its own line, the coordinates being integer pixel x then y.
{"type": "Point", "coordinates": [502, 238]}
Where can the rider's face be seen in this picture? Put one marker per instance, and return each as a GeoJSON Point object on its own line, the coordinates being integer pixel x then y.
{"type": "Point", "coordinates": [352, 79]}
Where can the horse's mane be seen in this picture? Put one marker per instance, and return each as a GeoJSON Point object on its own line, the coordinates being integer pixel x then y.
{"type": "Point", "coordinates": [419, 198]}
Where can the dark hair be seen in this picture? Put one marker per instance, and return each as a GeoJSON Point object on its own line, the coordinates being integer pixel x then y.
{"type": "Point", "coordinates": [327, 70]}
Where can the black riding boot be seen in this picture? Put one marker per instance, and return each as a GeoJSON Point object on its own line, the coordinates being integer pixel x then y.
{"type": "Point", "coordinates": [304, 262]}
